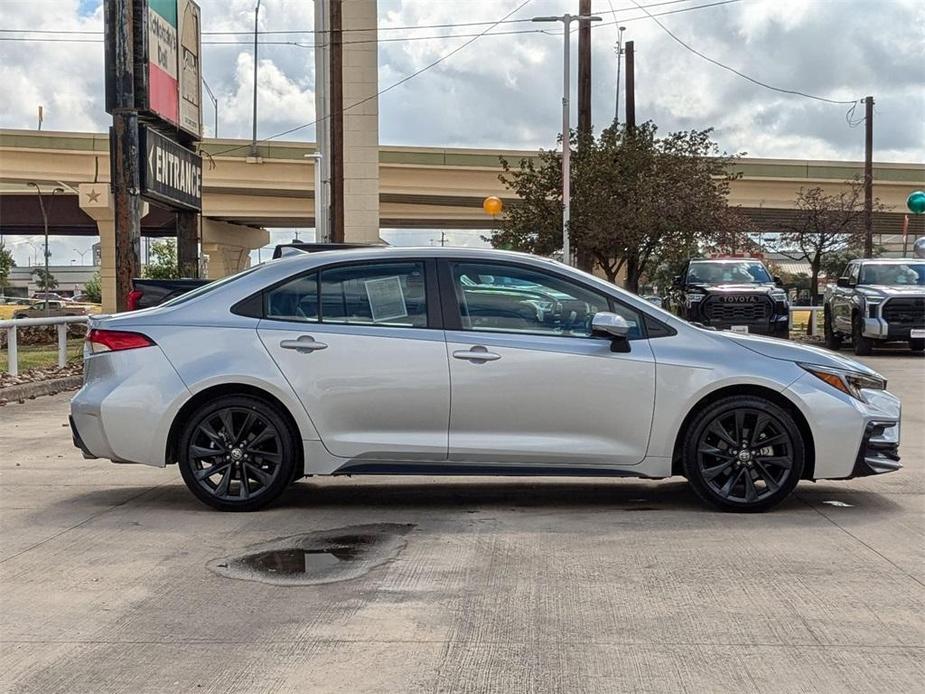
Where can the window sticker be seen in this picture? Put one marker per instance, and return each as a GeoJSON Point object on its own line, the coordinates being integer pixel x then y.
{"type": "Point", "coordinates": [386, 299]}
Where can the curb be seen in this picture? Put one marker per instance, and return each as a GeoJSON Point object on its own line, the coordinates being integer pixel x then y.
{"type": "Point", "coordinates": [28, 391]}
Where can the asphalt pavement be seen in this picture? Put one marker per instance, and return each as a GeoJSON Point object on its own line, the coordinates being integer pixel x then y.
{"type": "Point", "coordinates": [115, 579]}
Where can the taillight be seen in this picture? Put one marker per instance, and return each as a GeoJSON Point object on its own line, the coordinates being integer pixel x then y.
{"type": "Point", "coordinates": [116, 340]}
{"type": "Point", "coordinates": [134, 297]}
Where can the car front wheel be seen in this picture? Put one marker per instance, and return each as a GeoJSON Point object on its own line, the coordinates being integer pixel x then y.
{"type": "Point", "coordinates": [743, 454]}
{"type": "Point", "coordinates": [237, 453]}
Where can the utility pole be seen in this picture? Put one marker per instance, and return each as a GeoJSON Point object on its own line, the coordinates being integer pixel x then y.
{"type": "Point", "coordinates": [566, 20]}
{"type": "Point", "coordinates": [254, 136]}
{"type": "Point", "coordinates": [336, 91]}
{"type": "Point", "coordinates": [630, 86]}
{"type": "Point", "coordinates": [126, 177]}
{"type": "Point", "coordinates": [584, 71]}
{"type": "Point", "coordinates": [323, 112]}
{"type": "Point", "coordinates": [868, 177]}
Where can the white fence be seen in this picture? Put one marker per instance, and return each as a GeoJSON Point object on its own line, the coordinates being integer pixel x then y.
{"type": "Point", "coordinates": [11, 332]}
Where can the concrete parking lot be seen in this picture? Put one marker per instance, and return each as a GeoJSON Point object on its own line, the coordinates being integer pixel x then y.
{"type": "Point", "coordinates": [500, 585]}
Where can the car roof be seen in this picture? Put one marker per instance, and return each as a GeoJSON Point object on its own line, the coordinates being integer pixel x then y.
{"type": "Point", "coordinates": [724, 260]}
{"type": "Point", "coordinates": [891, 261]}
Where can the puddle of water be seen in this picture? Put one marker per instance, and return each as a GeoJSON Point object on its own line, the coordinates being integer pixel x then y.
{"type": "Point", "coordinates": [840, 504]}
{"type": "Point", "coordinates": [315, 558]}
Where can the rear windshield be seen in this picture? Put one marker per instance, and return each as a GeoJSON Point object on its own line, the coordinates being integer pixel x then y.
{"type": "Point", "coordinates": [206, 288]}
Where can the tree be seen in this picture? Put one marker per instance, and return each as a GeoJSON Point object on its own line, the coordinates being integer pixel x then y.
{"type": "Point", "coordinates": [45, 281]}
{"type": "Point", "coordinates": [827, 226]}
{"type": "Point", "coordinates": [162, 264]}
{"type": "Point", "coordinates": [6, 265]}
{"type": "Point", "coordinates": [93, 289]}
{"type": "Point", "coordinates": [638, 201]}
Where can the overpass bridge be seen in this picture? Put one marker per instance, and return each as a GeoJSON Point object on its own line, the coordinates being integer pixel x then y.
{"type": "Point", "coordinates": [419, 187]}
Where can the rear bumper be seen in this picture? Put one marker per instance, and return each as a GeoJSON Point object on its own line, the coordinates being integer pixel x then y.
{"type": "Point", "coordinates": [78, 442]}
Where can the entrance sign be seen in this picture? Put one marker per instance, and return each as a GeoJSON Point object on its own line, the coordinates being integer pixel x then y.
{"type": "Point", "coordinates": [170, 173]}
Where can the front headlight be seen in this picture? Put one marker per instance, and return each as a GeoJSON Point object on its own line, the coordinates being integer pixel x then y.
{"type": "Point", "coordinates": [780, 296]}
{"type": "Point", "coordinates": [848, 382]}
{"type": "Point", "coordinates": [693, 299]}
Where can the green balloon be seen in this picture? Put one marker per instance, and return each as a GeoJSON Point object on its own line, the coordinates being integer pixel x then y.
{"type": "Point", "coordinates": [916, 202]}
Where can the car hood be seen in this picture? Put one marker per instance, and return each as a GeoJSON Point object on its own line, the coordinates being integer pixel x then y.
{"type": "Point", "coordinates": [892, 290]}
{"type": "Point", "coordinates": [735, 288]}
{"type": "Point", "coordinates": [791, 351]}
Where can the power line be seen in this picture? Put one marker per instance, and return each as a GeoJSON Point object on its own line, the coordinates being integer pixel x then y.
{"type": "Point", "coordinates": [733, 70]}
{"type": "Point", "coordinates": [391, 86]}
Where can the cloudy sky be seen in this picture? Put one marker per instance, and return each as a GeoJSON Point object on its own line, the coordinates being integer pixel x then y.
{"type": "Point", "coordinates": [504, 90]}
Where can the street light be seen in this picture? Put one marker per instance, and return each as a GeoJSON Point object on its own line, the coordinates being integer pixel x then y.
{"type": "Point", "coordinates": [45, 223]}
{"type": "Point", "coordinates": [616, 110]}
{"type": "Point", "coordinates": [566, 20]}
{"type": "Point", "coordinates": [214, 101]}
{"type": "Point", "coordinates": [254, 139]}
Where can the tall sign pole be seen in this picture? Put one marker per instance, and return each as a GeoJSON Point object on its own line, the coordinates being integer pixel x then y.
{"type": "Point", "coordinates": [124, 149]}
{"type": "Point", "coordinates": [868, 176]}
{"type": "Point", "coordinates": [630, 85]}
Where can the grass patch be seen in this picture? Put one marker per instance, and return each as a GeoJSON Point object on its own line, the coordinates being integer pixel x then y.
{"type": "Point", "coordinates": [32, 356]}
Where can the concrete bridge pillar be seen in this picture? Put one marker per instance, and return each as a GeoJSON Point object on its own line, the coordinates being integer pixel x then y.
{"type": "Point", "coordinates": [96, 201]}
{"type": "Point", "coordinates": [228, 246]}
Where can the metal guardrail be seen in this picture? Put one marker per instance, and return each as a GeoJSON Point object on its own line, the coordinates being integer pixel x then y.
{"type": "Point", "coordinates": [11, 333]}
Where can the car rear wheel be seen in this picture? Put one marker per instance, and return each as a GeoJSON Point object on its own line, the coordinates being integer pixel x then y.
{"type": "Point", "coordinates": [237, 453]}
{"type": "Point", "coordinates": [832, 340]}
{"type": "Point", "coordinates": [743, 454]}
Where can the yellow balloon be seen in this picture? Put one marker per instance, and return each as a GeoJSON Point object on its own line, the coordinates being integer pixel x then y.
{"type": "Point", "coordinates": [492, 205]}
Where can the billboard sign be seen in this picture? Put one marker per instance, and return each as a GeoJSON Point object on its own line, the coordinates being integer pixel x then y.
{"type": "Point", "coordinates": [163, 92]}
{"type": "Point", "coordinates": [170, 173]}
{"type": "Point", "coordinates": [190, 50]}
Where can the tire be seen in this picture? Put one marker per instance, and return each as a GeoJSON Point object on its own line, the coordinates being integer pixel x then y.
{"type": "Point", "coordinates": [863, 346]}
{"type": "Point", "coordinates": [254, 453]}
{"type": "Point", "coordinates": [832, 339]}
{"type": "Point", "coordinates": [752, 478]}
{"type": "Point", "coordinates": [917, 344]}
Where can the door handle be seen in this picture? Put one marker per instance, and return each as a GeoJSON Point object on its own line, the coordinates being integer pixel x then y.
{"type": "Point", "coordinates": [304, 344]}
{"type": "Point", "coordinates": [476, 354]}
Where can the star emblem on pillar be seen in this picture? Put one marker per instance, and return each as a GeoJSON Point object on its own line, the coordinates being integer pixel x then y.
{"type": "Point", "coordinates": [93, 196]}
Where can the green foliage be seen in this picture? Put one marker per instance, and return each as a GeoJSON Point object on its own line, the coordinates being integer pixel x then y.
{"type": "Point", "coordinates": [162, 264]}
{"type": "Point", "coordinates": [6, 265]}
{"type": "Point", "coordinates": [93, 289]}
{"type": "Point", "coordinates": [45, 281]}
{"type": "Point", "coordinates": [638, 201]}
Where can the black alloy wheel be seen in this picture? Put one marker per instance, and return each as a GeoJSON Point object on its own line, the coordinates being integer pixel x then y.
{"type": "Point", "coordinates": [744, 454]}
{"type": "Point", "coordinates": [237, 454]}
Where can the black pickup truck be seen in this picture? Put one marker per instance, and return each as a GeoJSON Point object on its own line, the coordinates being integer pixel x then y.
{"type": "Point", "coordinates": [737, 294]}
{"type": "Point", "coordinates": [147, 292]}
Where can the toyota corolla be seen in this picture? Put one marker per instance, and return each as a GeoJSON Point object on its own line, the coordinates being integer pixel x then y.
{"type": "Point", "coordinates": [465, 362]}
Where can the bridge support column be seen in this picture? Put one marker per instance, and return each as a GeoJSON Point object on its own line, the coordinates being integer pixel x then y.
{"type": "Point", "coordinates": [228, 246]}
{"type": "Point", "coordinates": [96, 201]}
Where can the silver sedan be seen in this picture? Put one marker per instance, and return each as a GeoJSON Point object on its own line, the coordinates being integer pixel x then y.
{"type": "Point", "coordinates": [465, 362]}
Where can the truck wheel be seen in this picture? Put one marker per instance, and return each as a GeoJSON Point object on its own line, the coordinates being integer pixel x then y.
{"type": "Point", "coordinates": [917, 344]}
{"type": "Point", "coordinates": [863, 346]}
{"type": "Point", "coordinates": [832, 340]}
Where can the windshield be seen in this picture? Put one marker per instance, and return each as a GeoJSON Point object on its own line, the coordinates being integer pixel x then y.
{"type": "Point", "coordinates": [737, 272]}
{"type": "Point", "coordinates": [912, 274]}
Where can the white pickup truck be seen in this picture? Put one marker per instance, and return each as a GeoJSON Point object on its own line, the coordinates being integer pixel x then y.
{"type": "Point", "coordinates": [876, 301]}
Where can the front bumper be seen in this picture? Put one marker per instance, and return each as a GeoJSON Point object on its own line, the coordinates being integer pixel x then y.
{"type": "Point", "coordinates": [880, 329]}
{"type": "Point", "coordinates": [879, 451]}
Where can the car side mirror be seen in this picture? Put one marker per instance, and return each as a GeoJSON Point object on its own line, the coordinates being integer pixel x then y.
{"type": "Point", "coordinates": [615, 327]}
{"type": "Point", "coordinates": [678, 281]}
{"type": "Point", "coordinates": [778, 281]}
{"type": "Point", "coordinates": [843, 282]}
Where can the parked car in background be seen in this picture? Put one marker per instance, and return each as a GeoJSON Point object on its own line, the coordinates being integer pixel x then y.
{"type": "Point", "coordinates": [877, 301]}
{"type": "Point", "coordinates": [49, 309]}
{"type": "Point", "coordinates": [435, 361]}
{"type": "Point", "coordinates": [737, 294]}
